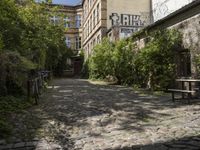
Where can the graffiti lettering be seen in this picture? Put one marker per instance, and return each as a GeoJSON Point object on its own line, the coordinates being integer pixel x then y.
{"type": "Point", "coordinates": [126, 20]}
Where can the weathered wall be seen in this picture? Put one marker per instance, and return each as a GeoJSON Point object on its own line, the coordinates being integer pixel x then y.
{"type": "Point", "coordinates": [162, 8]}
{"type": "Point", "coordinates": [132, 8]}
{"type": "Point", "coordinates": [190, 30]}
{"type": "Point", "coordinates": [187, 21]}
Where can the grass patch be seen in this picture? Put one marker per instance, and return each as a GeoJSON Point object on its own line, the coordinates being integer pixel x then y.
{"type": "Point", "coordinates": [9, 105]}
{"type": "Point", "coordinates": [101, 82]}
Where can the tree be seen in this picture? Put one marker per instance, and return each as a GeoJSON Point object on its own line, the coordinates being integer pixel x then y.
{"type": "Point", "coordinates": [123, 59]}
{"type": "Point", "coordinates": [27, 41]}
{"type": "Point", "coordinates": [100, 63]}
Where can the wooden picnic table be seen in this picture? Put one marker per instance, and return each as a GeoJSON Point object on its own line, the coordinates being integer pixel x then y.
{"type": "Point", "coordinates": [189, 81]}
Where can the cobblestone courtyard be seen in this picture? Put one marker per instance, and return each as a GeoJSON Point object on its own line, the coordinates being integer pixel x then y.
{"type": "Point", "coordinates": [78, 115]}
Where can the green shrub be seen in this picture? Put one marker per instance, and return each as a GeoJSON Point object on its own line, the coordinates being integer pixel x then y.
{"type": "Point", "coordinates": [9, 105]}
{"type": "Point", "coordinates": [155, 62]}
{"type": "Point", "coordinates": [100, 63]}
{"type": "Point", "coordinates": [123, 59]}
{"type": "Point", "coordinates": [152, 66]}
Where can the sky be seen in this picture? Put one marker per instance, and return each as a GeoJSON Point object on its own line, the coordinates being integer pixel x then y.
{"type": "Point", "coordinates": [67, 2]}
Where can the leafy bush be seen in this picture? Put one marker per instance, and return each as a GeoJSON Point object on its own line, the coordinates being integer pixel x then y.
{"type": "Point", "coordinates": [13, 73]}
{"type": "Point", "coordinates": [9, 105]}
{"type": "Point", "coordinates": [123, 59]}
{"type": "Point", "coordinates": [152, 66]}
{"type": "Point", "coordinates": [113, 60]}
{"type": "Point", "coordinates": [101, 64]}
{"type": "Point", "coordinates": [155, 62]}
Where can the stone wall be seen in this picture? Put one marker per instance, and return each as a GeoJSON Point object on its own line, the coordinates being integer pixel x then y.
{"type": "Point", "coordinates": [190, 30]}
{"type": "Point", "coordinates": [185, 20]}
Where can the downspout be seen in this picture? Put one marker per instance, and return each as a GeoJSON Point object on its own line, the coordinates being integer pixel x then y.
{"type": "Point", "coordinates": [151, 12]}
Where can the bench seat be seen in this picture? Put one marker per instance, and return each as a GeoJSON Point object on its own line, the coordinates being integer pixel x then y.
{"type": "Point", "coordinates": [181, 91]}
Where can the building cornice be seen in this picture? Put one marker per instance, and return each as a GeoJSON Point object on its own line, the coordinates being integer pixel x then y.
{"type": "Point", "coordinates": [67, 6]}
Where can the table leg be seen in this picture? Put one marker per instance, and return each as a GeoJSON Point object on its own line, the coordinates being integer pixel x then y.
{"type": "Point", "coordinates": [190, 86]}
{"type": "Point", "coordinates": [182, 84]}
{"type": "Point", "coordinates": [173, 99]}
{"type": "Point", "coordinates": [189, 97]}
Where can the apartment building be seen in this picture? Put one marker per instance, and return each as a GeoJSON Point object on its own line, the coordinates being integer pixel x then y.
{"type": "Point", "coordinates": [72, 20]}
{"type": "Point", "coordinates": [88, 23]}
{"type": "Point", "coordinates": [113, 18]}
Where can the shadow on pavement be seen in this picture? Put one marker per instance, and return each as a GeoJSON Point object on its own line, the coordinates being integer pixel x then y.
{"type": "Point", "coordinates": [73, 110]}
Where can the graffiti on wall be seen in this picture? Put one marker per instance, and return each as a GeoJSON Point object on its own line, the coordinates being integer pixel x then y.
{"type": "Point", "coordinates": [126, 20]}
{"type": "Point", "coordinates": [129, 23]}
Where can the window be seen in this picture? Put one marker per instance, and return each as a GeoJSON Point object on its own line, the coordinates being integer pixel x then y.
{"type": "Point", "coordinates": [97, 12]}
{"type": "Point", "coordinates": [94, 42]}
{"type": "Point", "coordinates": [67, 21]}
{"type": "Point", "coordinates": [68, 42]}
{"type": "Point", "coordinates": [86, 10]}
{"type": "Point", "coordinates": [78, 42]}
{"type": "Point", "coordinates": [94, 20]}
{"type": "Point", "coordinates": [88, 4]}
{"type": "Point", "coordinates": [88, 27]}
{"type": "Point", "coordinates": [78, 21]}
{"type": "Point", "coordinates": [90, 23]}
{"type": "Point", "coordinates": [98, 39]}
{"type": "Point", "coordinates": [54, 20]}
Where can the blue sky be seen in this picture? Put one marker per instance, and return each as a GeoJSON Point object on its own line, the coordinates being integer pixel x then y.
{"type": "Point", "coordinates": [67, 2]}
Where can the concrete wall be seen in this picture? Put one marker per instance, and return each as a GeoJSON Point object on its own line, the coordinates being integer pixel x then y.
{"type": "Point", "coordinates": [128, 7]}
{"type": "Point", "coordinates": [162, 8]}
{"type": "Point", "coordinates": [190, 30]}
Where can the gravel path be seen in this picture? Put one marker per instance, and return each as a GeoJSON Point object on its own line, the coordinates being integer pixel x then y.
{"type": "Point", "coordinates": [78, 115]}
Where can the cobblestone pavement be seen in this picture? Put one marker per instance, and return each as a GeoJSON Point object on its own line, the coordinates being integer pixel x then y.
{"type": "Point", "coordinates": [77, 115]}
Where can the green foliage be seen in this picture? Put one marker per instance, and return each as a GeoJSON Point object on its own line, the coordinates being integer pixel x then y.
{"type": "Point", "coordinates": [101, 64]}
{"type": "Point", "coordinates": [9, 105]}
{"type": "Point", "coordinates": [155, 62]}
{"type": "Point", "coordinates": [85, 69]}
{"type": "Point", "coordinates": [123, 59]}
{"type": "Point", "coordinates": [27, 41]}
{"type": "Point", "coordinates": [113, 60]}
{"type": "Point", "coordinates": [151, 66]}
{"type": "Point", "coordinates": [197, 64]}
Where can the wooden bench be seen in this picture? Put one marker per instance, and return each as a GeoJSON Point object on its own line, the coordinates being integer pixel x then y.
{"type": "Point", "coordinates": [181, 91]}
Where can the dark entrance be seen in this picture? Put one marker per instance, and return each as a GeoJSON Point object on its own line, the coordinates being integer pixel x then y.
{"type": "Point", "coordinates": [77, 65]}
{"type": "Point", "coordinates": [183, 62]}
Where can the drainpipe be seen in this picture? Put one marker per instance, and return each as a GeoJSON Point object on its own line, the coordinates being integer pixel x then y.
{"type": "Point", "coordinates": [151, 12]}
